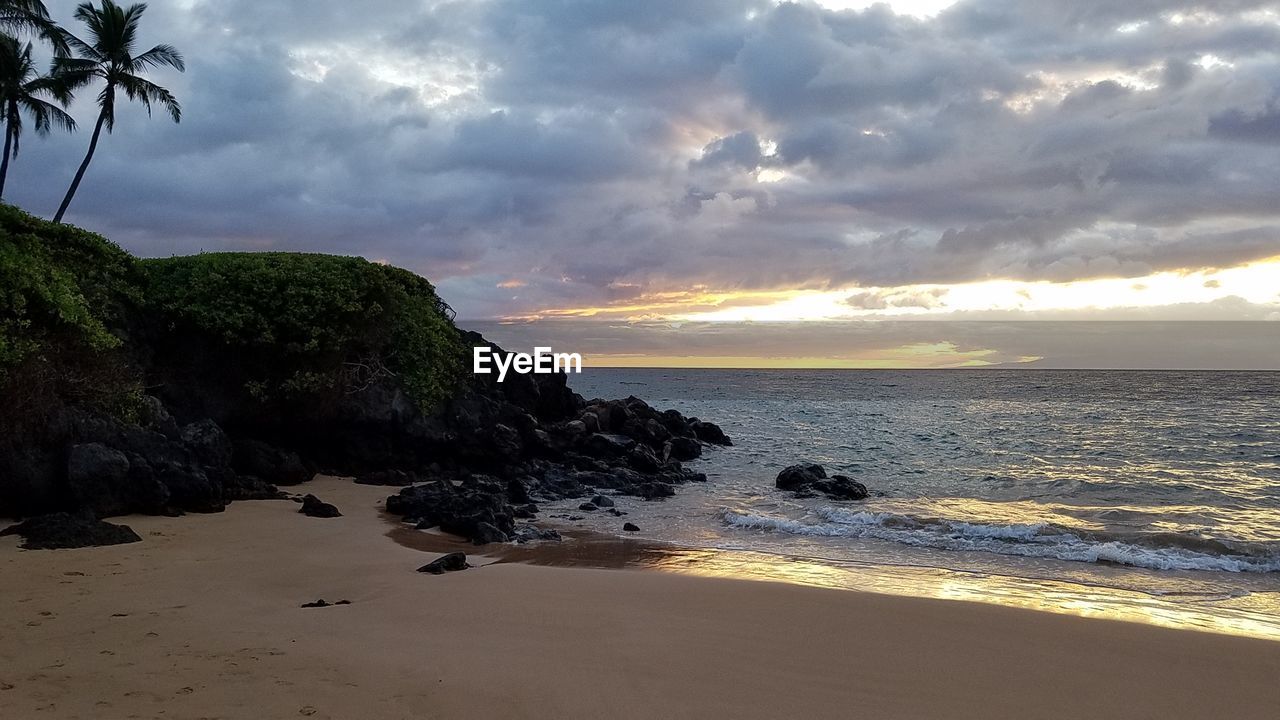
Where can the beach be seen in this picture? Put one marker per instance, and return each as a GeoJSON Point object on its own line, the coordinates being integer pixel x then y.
{"type": "Point", "coordinates": [203, 620]}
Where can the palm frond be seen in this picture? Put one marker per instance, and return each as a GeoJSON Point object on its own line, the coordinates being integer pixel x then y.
{"type": "Point", "coordinates": [147, 92]}
{"type": "Point", "coordinates": [85, 50]}
{"type": "Point", "coordinates": [47, 115]}
{"type": "Point", "coordinates": [159, 56]}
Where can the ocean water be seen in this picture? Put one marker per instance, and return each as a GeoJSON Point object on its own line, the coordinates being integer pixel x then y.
{"type": "Point", "coordinates": [1150, 495]}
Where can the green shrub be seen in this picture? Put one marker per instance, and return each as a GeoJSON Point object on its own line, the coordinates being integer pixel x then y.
{"type": "Point", "coordinates": [60, 286]}
{"type": "Point", "coordinates": [311, 324]}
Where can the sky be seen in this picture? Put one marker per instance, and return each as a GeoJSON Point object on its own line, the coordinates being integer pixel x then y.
{"type": "Point", "coordinates": [693, 162]}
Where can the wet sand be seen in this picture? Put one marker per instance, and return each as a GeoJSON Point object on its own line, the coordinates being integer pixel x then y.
{"type": "Point", "coordinates": [202, 620]}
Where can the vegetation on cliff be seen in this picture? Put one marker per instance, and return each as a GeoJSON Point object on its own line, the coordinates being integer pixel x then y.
{"type": "Point", "coordinates": [309, 323]}
{"type": "Point", "coordinates": [297, 324]}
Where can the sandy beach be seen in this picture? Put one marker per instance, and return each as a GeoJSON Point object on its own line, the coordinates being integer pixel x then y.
{"type": "Point", "coordinates": [202, 620]}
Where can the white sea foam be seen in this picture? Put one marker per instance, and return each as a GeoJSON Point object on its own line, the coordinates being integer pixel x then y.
{"type": "Point", "coordinates": [1040, 540]}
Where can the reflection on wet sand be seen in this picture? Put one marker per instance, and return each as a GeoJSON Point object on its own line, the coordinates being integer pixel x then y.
{"type": "Point", "coordinates": [1257, 615]}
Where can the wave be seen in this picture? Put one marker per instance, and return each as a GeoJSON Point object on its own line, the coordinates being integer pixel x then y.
{"type": "Point", "coordinates": [1155, 551]}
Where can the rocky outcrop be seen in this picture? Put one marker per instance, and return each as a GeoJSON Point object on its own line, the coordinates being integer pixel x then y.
{"type": "Point", "coordinates": [623, 446]}
{"type": "Point", "coordinates": [69, 530]}
{"type": "Point", "coordinates": [473, 466]}
{"type": "Point", "coordinates": [810, 479]}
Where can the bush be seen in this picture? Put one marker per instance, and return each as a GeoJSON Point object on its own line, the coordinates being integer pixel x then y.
{"type": "Point", "coordinates": [60, 286]}
{"type": "Point", "coordinates": [309, 324]}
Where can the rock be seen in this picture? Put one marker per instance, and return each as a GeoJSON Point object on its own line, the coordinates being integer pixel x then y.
{"type": "Point", "coordinates": [248, 487]}
{"type": "Point", "coordinates": [607, 445]}
{"type": "Point", "coordinates": [98, 479]}
{"type": "Point", "coordinates": [630, 527]}
{"type": "Point", "coordinates": [709, 432]}
{"type": "Point", "coordinates": [458, 510]}
{"type": "Point", "coordinates": [208, 442]}
{"type": "Point", "coordinates": [313, 506]}
{"type": "Point", "coordinates": [683, 448]}
{"type": "Point", "coordinates": [588, 507]}
{"type": "Point", "coordinates": [486, 533]}
{"type": "Point", "coordinates": [273, 464]}
{"type": "Point", "coordinates": [506, 441]}
{"type": "Point", "coordinates": [68, 530]}
{"type": "Point", "coordinates": [675, 423]}
{"type": "Point", "coordinates": [391, 478]}
{"type": "Point", "coordinates": [575, 427]}
{"type": "Point", "coordinates": [602, 501]}
{"type": "Point", "coordinates": [807, 479]}
{"type": "Point", "coordinates": [530, 533]}
{"type": "Point", "coordinates": [795, 477]}
{"type": "Point", "coordinates": [642, 458]}
{"type": "Point", "coordinates": [840, 487]}
{"type": "Point", "coordinates": [446, 563]}
{"type": "Point", "coordinates": [321, 603]}
{"type": "Point", "coordinates": [153, 415]}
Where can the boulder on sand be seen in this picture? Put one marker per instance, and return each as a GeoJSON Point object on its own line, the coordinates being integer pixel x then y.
{"type": "Point", "coordinates": [69, 530]}
{"type": "Point", "coordinates": [446, 563]}
{"type": "Point", "coordinates": [313, 506]}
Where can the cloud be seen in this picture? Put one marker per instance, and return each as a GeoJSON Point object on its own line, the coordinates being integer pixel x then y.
{"type": "Point", "coordinates": [884, 299]}
{"type": "Point", "coordinates": [582, 147]}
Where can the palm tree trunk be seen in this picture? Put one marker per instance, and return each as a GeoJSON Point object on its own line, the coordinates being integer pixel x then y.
{"type": "Point", "coordinates": [75, 184]}
{"type": "Point", "coordinates": [4, 164]}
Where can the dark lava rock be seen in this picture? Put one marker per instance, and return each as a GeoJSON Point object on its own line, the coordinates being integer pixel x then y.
{"type": "Point", "coordinates": [208, 442]}
{"type": "Point", "coordinates": [602, 501]}
{"type": "Point", "coordinates": [99, 479]}
{"type": "Point", "coordinates": [643, 459]}
{"type": "Point", "coordinates": [588, 507]}
{"type": "Point", "coordinates": [486, 533]}
{"type": "Point", "coordinates": [615, 512]}
{"type": "Point", "coordinates": [683, 448]}
{"type": "Point", "coordinates": [248, 487]}
{"type": "Point", "coordinates": [841, 487]}
{"type": "Point", "coordinates": [446, 563]}
{"type": "Point", "coordinates": [273, 464]}
{"type": "Point", "coordinates": [650, 490]}
{"type": "Point", "coordinates": [630, 527]}
{"type": "Point", "coordinates": [529, 533]}
{"type": "Point", "coordinates": [391, 478]}
{"type": "Point", "coordinates": [315, 507]}
{"type": "Point", "coordinates": [607, 445]}
{"type": "Point", "coordinates": [808, 479]}
{"type": "Point", "coordinates": [474, 510]}
{"type": "Point", "coordinates": [799, 476]}
{"type": "Point", "coordinates": [321, 603]}
{"type": "Point", "coordinates": [709, 432]}
{"type": "Point", "coordinates": [66, 530]}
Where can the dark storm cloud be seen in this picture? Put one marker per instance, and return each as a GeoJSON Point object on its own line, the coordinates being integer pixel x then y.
{"type": "Point", "coordinates": [598, 152]}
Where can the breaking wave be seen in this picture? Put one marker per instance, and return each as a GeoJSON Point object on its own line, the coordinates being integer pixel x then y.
{"type": "Point", "coordinates": [1156, 551]}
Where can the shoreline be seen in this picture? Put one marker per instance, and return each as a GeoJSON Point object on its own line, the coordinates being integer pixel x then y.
{"type": "Point", "coordinates": [202, 619]}
{"type": "Point", "coordinates": [583, 548]}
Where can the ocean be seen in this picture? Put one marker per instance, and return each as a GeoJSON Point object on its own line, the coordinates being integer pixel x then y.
{"type": "Point", "coordinates": [1144, 495]}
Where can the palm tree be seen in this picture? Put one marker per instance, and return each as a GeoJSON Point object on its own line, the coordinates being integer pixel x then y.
{"type": "Point", "coordinates": [109, 56]}
{"type": "Point", "coordinates": [22, 88]}
{"type": "Point", "coordinates": [18, 16]}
